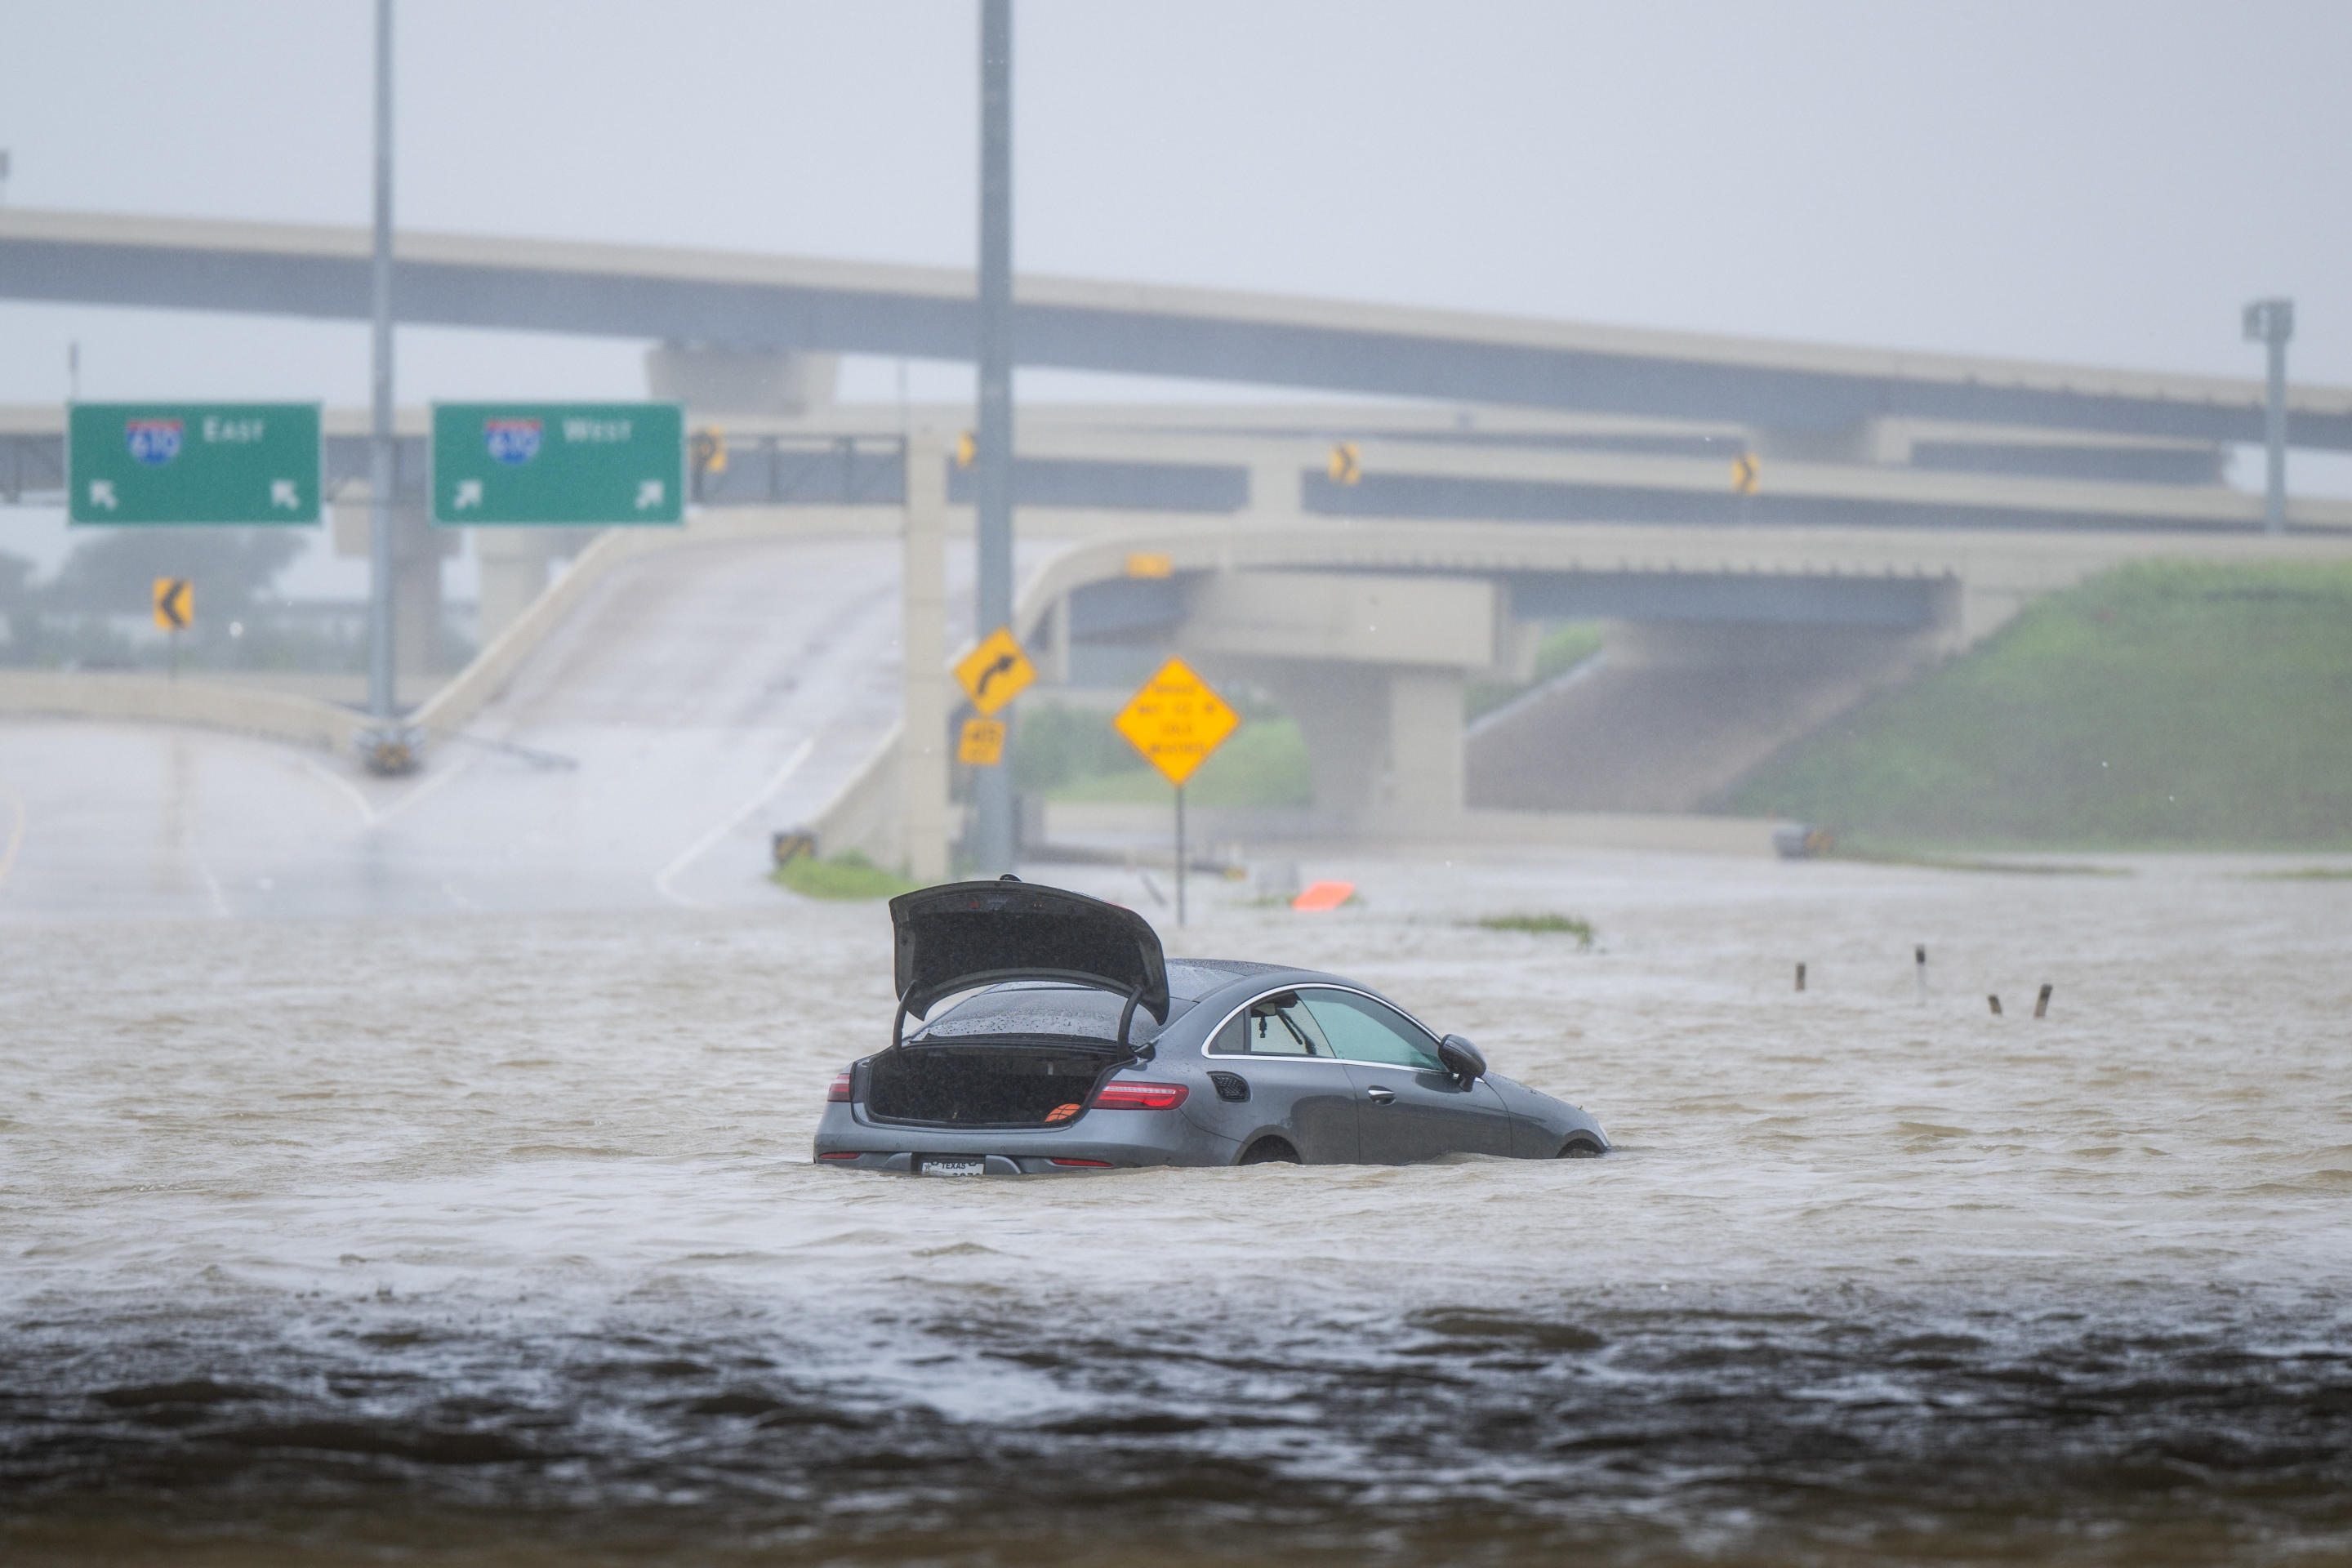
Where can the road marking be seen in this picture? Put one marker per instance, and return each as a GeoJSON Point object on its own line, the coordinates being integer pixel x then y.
{"type": "Point", "coordinates": [439, 777]}
{"type": "Point", "coordinates": [16, 835]}
{"type": "Point", "coordinates": [349, 791]}
{"type": "Point", "coordinates": [694, 852]}
{"type": "Point", "coordinates": [369, 816]}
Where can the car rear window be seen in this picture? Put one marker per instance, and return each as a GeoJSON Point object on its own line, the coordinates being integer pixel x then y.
{"type": "Point", "coordinates": [1030, 1009]}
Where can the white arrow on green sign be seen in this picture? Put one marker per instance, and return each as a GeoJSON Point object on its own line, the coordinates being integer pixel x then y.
{"type": "Point", "coordinates": [241, 463]}
{"type": "Point", "coordinates": [502, 464]}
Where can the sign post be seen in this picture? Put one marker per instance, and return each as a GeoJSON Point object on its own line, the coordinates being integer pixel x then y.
{"type": "Point", "coordinates": [1176, 721]}
{"type": "Point", "coordinates": [246, 464]}
{"type": "Point", "coordinates": [558, 464]}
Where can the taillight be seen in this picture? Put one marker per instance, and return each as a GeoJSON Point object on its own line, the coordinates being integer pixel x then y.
{"type": "Point", "coordinates": [846, 1154]}
{"type": "Point", "coordinates": [1121, 1096]}
{"type": "Point", "coordinates": [1089, 1165]}
{"type": "Point", "coordinates": [840, 1089]}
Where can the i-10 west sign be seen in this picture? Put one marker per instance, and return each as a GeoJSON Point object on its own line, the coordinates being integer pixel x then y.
{"type": "Point", "coordinates": [193, 462]}
{"type": "Point", "coordinates": [600, 463]}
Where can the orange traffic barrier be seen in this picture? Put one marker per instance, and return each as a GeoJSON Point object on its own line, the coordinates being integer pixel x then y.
{"type": "Point", "coordinates": [1324, 896]}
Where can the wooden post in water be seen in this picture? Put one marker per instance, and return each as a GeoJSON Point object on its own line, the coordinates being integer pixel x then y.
{"type": "Point", "coordinates": [2042, 1002]}
{"type": "Point", "coordinates": [1180, 853]}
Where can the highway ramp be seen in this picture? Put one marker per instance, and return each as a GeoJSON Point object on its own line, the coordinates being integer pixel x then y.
{"type": "Point", "coordinates": [695, 699]}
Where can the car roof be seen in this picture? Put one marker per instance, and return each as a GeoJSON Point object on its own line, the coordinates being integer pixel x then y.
{"type": "Point", "coordinates": [1219, 976]}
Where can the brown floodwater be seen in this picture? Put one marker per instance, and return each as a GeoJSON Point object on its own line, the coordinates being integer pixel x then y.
{"type": "Point", "coordinates": [496, 1238]}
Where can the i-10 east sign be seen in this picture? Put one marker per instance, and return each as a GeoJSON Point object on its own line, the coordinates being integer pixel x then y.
{"type": "Point", "coordinates": [560, 463]}
{"type": "Point", "coordinates": [243, 463]}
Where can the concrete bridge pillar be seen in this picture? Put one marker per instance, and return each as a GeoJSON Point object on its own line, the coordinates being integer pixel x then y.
{"type": "Point", "coordinates": [514, 572]}
{"type": "Point", "coordinates": [1424, 777]}
{"type": "Point", "coordinates": [1371, 666]}
{"type": "Point", "coordinates": [923, 659]}
{"type": "Point", "coordinates": [417, 550]}
{"type": "Point", "coordinates": [1384, 743]}
{"type": "Point", "coordinates": [711, 378]}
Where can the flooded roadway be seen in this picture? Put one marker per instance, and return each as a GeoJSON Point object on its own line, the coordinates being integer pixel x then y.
{"type": "Point", "coordinates": [494, 1237]}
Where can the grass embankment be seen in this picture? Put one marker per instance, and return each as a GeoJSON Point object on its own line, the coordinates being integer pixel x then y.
{"type": "Point", "coordinates": [849, 875]}
{"type": "Point", "coordinates": [2163, 705]}
{"type": "Point", "coordinates": [1563, 648]}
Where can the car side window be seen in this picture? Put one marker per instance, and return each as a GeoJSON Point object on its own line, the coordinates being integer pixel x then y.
{"type": "Point", "coordinates": [1277, 1026]}
{"type": "Point", "coordinates": [1362, 1030]}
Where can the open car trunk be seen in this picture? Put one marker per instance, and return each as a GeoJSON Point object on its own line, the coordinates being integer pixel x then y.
{"type": "Point", "coordinates": [986, 1084]}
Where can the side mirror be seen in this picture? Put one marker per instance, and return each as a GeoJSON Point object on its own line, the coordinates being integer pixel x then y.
{"type": "Point", "coordinates": [1462, 1059]}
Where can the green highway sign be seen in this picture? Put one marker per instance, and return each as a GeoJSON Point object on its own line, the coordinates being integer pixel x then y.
{"type": "Point", "coordinates": [193, 462]}
{"type": "Point", "coordinates": [501, 463]}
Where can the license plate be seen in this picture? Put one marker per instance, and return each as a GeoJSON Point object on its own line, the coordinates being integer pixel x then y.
{"type": "Point", "coordinates": [936, 1166]}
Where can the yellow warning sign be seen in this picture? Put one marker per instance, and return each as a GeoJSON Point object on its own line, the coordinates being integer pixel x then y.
{"type": "Point", "coordinates": [1743, 473]}
{"type": "Point", "coordinates": [175, 604]}
{"type": "Point", "coordinates": [1176, 721]}
{"type": "Point", "coordinates": [1150, 564]}
{"type": "Point", "coordinates": [982, 744]}
{"type": "Point", "coordinates": [707, 448]}
{"type": "Point", "coordinates": [1347, 464]}
{"type": "Point", "coordinates": [995, 672]}
{"type": "Point", "coordinates": [967, 449]}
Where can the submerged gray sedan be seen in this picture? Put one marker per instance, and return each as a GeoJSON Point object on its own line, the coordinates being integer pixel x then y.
{"type": "Point", "coordinates": [1072, 1043]}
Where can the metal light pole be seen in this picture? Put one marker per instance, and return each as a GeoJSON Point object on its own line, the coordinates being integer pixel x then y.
{"type": "Point", "coordinates": [993, 828]}
{"type": "Point", "coordinates": [384, 747]}
{"type": "Point", "coordinates": [2272, 322]}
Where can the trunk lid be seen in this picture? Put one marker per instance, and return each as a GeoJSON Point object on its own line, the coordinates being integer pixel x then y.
{"type": "Point", "coordinates": [964, 934]}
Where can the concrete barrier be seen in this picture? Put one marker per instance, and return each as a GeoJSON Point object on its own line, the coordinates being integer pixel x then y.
{"type": "Point", "coordinates": [155, 700]}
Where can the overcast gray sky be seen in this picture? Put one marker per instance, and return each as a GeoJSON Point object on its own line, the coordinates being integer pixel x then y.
{"type": "Point", "coordinates": [2092, 180]}
{"type": "Point", "coordinates": [2084, 181]}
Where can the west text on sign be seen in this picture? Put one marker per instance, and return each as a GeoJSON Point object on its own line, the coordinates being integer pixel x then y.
{"type": "Point", "coordinates": [559, 463]}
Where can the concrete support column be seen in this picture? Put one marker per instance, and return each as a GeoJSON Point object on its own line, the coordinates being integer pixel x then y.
{"type": "Point", "coordinates": [418, 547]}
{"type": "Point", "coordinates": [1276, 485]}
{"type": "Point", "coordinates": [1384, 743]}
{"type": "Point", "coordinates": [924, 679]}
{"type": "Point", "coordinates": [1424, 773]}
{"type": "Point", "coordinates": [1057, 665]}
{"type": "Point", "coordinates": [417, 550]}
{"type": "Point", "coordinates": [514, 572]}
{"type": "Point", "coordinates": [712, 378]}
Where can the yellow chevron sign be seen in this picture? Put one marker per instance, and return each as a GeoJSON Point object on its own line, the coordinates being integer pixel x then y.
{"type": "Point", "coordinates": [1743, 474]}
{"type": "Point", "coordinates": [175, 604]}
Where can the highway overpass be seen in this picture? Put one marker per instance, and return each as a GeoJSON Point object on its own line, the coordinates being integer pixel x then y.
{"type": "Point", "coordinates": [1904, 505]}
{"type": "Point", "coordinates": [784, 303]}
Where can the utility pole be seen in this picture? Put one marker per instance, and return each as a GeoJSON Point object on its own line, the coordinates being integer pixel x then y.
{"type": "Point", "coordinates": [2271, 322]}
{"type": "Point", "coordinates": [384, 747]}
{"type": "Point", "coordinates": [992, 827]}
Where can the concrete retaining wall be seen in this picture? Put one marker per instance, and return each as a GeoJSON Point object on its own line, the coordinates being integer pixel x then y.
{"type": "Point", "coordinates": [156, 699]}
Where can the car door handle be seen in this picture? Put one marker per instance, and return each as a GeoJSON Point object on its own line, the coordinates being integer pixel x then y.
{"type": "Point", "coordinates": [1379, 1096]}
